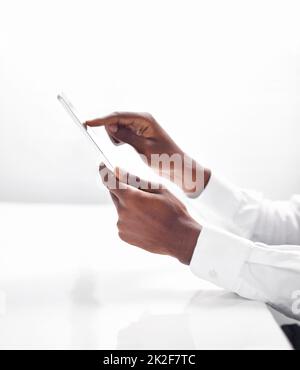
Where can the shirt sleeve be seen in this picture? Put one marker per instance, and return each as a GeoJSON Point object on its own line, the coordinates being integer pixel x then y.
{"type": "Point", "coordinates": [249, 214]}
{"type": "Point", "coordinates": [270, 274]}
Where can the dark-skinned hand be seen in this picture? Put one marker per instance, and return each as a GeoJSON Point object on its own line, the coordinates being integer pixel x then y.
{"type": "Point", "coordinates": [148, 138]}
{"type": "Point", "coordinates": [151, 217]}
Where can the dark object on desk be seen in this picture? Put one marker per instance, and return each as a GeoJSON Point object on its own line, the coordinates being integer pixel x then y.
{"type": "Point", "coordinates": [293, 334]}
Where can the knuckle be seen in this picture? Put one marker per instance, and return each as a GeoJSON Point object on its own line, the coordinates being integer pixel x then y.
{"type": "Point", "coordinates": [148, 116]}
{"type": "Point", "coordinates": [122, 236]}
{"type": "Point", "coordinates": [119, 224]}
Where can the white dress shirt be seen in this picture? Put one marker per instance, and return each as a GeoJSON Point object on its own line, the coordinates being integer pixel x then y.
{"type": "Point", "coordinates": [255, 251]}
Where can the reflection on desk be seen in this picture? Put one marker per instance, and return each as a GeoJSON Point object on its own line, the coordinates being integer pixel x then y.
{"type": "Point", "coordinates": [66, 283]}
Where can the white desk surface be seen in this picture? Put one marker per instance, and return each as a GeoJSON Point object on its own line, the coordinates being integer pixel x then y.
{"type": "Point", "coordinates": [67, 282]}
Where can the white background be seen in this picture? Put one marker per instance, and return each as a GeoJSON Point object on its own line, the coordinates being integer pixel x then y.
{"type": "Point", "coordinates": [223, 77]}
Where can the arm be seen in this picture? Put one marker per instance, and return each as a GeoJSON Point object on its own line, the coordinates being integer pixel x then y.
{"type": "Point", "coordinates": [270, 274]}
{"type": "Point", "coordinates": [164, 226]}
{"type": "Point", "coordinates": [241, 212]}
{"type": "Point", "coordinates": [249, 215]}
{"type": "Point", "coordinates": [156, 148]}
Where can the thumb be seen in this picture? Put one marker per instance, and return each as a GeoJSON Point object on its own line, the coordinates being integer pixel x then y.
{"type": "Point", "coordinates": [112, 183]}
{"type": "Point", "coordinates": [138, 183]}
{"type": "Point", "coordinates": [127, 135]}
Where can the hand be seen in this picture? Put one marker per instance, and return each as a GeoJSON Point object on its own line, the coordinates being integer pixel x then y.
{"type": "Point", "coordinates": [157, 149]}
{"type": "Point", "coordinates": [153, 218]}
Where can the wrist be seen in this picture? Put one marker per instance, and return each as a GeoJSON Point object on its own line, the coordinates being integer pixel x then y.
{"type": "Point", "coordinates": [190, 236]}
{"type": "Point", "coordinates": [192, 178]}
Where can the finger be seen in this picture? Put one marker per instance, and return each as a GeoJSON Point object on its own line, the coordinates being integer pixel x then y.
{"type": "Point", "coordinates": [119, 189]}
{"type": "Point", "coordinates": [126, 127]}
{"type": "Point", "coordinates": [108, 120]}
{"type": "Point", "coordinates": [110, 181]}
{"type": "Point", "coordinates": [124, 118]}
{"type": "Point", "coordinates": [129, 136]}
{"type": "Point", "coordinates": [138, 183]}
{"type": "Point", "coordinates": [112, 138]}
{"type": "Point", "coordinates": [120, 130]}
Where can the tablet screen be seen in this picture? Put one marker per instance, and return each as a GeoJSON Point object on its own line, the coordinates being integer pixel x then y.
{"type": "Point", "coordinates": [88, 132]}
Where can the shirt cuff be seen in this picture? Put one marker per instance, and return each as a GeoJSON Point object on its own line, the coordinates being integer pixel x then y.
{"type": "Point", "coordinates": [229, 207]}
{"type": "Point", "coordinates": [219, 257]}
{"type": "Point", "coordinates": [221, 197]}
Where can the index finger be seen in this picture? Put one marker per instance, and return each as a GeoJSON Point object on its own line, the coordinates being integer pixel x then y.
{"type": "Point", "coordinates": [124, 118]}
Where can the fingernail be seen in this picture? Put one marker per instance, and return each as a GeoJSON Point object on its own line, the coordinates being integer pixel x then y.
{"type": "Point", "coordinates": [113, 128]}
{"type": "Point", "coordinates": [102, 166]}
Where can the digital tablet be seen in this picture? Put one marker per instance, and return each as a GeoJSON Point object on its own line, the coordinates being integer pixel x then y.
{"type": "Point", "coordinates": [87, 132]}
